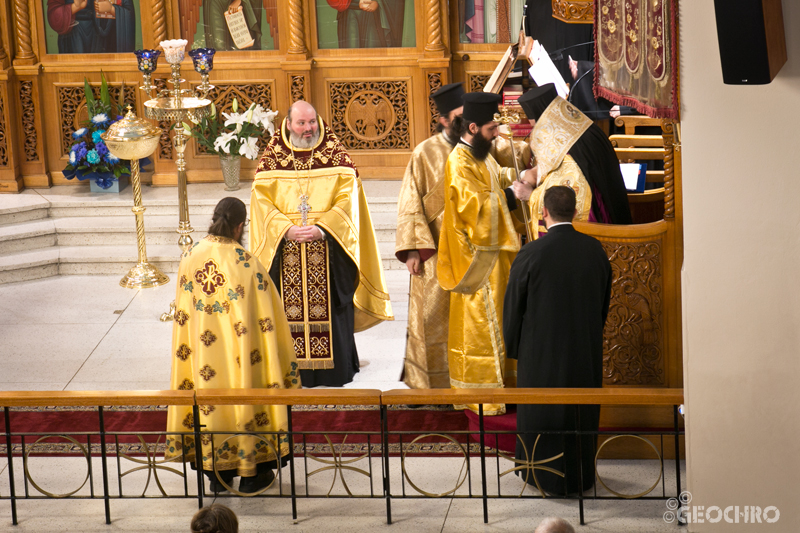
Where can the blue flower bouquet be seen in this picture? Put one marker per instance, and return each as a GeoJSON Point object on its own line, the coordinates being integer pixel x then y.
{"type": "Point", "coordinates": [89, 157]}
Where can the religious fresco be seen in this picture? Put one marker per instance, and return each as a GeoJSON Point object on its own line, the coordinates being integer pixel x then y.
{"type": "Point", "coordinates": [230, 25]}
{"type": "Point", "coordinates": [489, 21]}
{"type": "Point", "coordinates": [365, 23]}
{"type": "Point", "coordinates": [92, 26]}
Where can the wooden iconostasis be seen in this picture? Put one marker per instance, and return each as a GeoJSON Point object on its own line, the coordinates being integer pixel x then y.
{"type": "Point", "coordinates": [368, 67]}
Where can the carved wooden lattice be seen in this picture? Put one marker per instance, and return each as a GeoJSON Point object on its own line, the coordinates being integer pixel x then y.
{"type": "Point", "coordinates": [3, 142]}
{"type": "Point", "coordinates": [72, 106]}
{"type": "Point", "coordinates": [370, 115]}
{"type": "Point", "coordinates": [245, 94]}
{"type": "Point", "coordinates": [297, 88]}
{"type": "Point", "coordinates": [30, 146]}
{"type": "Point", "coordinates": [434, 84]}
{"type": "Point", "coordinates": [633, 351]}
{"type": "Point", "coordinates": [165, 141]}
{"type": "Point", "coordinates": [478, 81]}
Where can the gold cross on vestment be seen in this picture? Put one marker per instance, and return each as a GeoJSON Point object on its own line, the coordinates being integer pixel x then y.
{"type": "Point", "coordinates": [304, 208]}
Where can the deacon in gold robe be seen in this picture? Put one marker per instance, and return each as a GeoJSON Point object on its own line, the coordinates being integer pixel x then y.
{"type": "Point", "coordinates": [229, 332]}
{"type": "Point", "coordinates": [477, 245]}
{"type": "Point", "coordinates": [312, 226]}
{"type": "Point", "coordinates": [419, 221]}
{"type": "Point", "coordinates": [571, 150]}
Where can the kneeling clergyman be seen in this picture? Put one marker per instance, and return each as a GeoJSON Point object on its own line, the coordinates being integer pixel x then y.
{"type": "Point", "coordinates": [572, 151]}
{"type": "Point", "coordinates": [229, 332]}
{"type": "Point", "coordinates": [478, 242]}
{"type": "Point", "coordinates": [312, 226]}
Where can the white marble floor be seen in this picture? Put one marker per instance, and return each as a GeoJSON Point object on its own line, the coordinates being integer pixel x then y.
{"type": "Point", "coordinates": [88, 333]}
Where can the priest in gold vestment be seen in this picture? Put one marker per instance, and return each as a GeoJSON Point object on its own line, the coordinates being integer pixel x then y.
{"type": "Point", "coordinates": [229, 332]}
{"type": "Point", "coordinates": [419, 220]}
{"type": "Point", "coordinates": [312, 228]}
{"type": "Point", "coordinates": [478, 242]}
{"type": "Point", "coordinates": [571, 150]}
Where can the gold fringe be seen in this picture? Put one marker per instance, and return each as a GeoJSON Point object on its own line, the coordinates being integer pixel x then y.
{"type": "Point", "coordinates": [325, 364]}
{"type": "Point", "coordinates": [319, 328]}
{"type": "Point", "coordinates": [297, 328]}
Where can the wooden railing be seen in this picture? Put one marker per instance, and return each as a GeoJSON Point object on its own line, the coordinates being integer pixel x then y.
{"type": "Point", "coordinates": [381, 401]}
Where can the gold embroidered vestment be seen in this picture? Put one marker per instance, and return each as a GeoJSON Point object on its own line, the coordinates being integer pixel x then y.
{"type": "Point", "coordinates": [477, 245]}
{"type": "Point", "coordinates": [327, 176]}
{"type": "Point", "coordinates": [229, 332]}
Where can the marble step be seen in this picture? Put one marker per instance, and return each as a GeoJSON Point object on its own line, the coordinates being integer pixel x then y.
{"type": "Point", "coordinates": [29, 264]}
{"type": "Point", "coordinates": [28, 235]}
{"type": "Point", "coordinates": [23, 207]}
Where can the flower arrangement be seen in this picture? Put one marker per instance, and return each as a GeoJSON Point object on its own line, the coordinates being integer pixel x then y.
{"type": "Point", "coordinates": [233, 133]}
{"type": "Point", "coordinates": [89, 156]}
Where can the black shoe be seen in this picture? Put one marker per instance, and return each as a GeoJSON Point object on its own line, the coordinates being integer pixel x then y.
{"type": "Point", "coordinates": [216, 487]}
{"type": "Point", "coordinates": [252, 484]}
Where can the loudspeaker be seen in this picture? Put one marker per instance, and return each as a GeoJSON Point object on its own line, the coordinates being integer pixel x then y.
{"type": "Point", "coordinates": [752, 44]}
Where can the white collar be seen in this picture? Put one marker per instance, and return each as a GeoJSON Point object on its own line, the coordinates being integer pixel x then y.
{"type": "Point", "coordinates": [558, 224]}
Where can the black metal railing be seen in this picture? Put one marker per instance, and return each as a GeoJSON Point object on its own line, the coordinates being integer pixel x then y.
{"type": "Point", "coordinates": [350, 455]}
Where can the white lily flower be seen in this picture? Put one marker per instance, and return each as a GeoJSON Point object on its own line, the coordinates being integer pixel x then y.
{"type": "Point", "coordinates": [265, 118]}
{"type": "Point", "coordinates": [223, 142]}
{"type": "Point", "coordinates": [249, 148]}
{"type": "Point", "coordinates": [234, 118]}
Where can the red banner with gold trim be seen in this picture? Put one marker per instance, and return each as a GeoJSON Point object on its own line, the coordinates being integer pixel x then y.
{"type": "Point", "coordinates": [637, 55]}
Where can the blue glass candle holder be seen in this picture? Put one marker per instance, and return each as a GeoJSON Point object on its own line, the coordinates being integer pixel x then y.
{"type": "Point", "coordinates": [203, 59]}
{"type": "Point", "coordinates": [148, 60]}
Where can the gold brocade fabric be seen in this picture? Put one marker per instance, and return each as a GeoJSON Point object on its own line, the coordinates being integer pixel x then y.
{"type": "Point", "coordinates": [567, 174]}
{"type": "Point", "coordinates": [477, 245]}
{"type": "Point", "coordinates": [419, 221]}
{"type": "Point", "coordinates": [229, 332]}
{"type": "Point", "coordinates": [338, 205]}
{"type": "Point", "coordinates": [559, 127]}
{"type": "Point", "coordinates": [305, 288]}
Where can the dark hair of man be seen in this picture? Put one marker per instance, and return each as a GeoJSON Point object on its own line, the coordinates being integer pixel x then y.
{"type": "Point", "coordinates": [229, 213]}
{"type": "Point", "coordinates": [560, 203]}
{"type": "Point", "coordinates": [459, 126]}
{"type": "Point", "coordinates": [215, 518]}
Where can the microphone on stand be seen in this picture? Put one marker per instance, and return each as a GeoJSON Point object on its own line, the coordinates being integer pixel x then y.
{"type": "Point", "coordinates": [559, 54]}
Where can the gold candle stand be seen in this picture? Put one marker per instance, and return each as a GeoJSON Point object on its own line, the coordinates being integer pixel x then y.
{"type": "Point", "coordinates": [177, 105]}
{"type": "Point", "coordinates": [133, 138]}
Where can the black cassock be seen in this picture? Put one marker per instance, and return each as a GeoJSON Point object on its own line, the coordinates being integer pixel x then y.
{"type": "Point", "coordinates": [554, 312]}
{"type": "Point", "coordinates": [343, 282]}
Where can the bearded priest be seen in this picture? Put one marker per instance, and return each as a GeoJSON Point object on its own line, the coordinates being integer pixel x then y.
{"type": "Point", "coordinates": [312, 228]}
{"type": "Point", "coordinates": [478, 242]}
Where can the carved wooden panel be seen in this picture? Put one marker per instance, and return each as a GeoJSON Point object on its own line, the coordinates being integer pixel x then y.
{"type": "Point", "coordinates": [223, 95]}
{"type": "Point", "coordinates": [633, 343]}
{"type": "Point", "coordinates": [297, 87]}
{"type": "Point", "coordinates": [371, 115]}
{"type": "Point", "coordinates": [72, 106]}
{"type": "Point", "coordinates": [476, 82]}
{"type": "Point", "coordinates": [165, 141]}
{"type": "Point", "coordinates": [28, 106]}
{"type": "Point", "coordinates": [575, 11]}
{"type": "Point", "coordinates": [434, 84]}
{"type": "Point", "coordinates": [3, 141]}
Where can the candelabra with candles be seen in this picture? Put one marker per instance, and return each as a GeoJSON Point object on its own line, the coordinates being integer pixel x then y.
{"type": "Point", "coordinates": [176, 105]}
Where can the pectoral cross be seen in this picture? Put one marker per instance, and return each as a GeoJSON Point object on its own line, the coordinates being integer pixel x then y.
{"type": "Point", "coordinates": [304, 208]}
